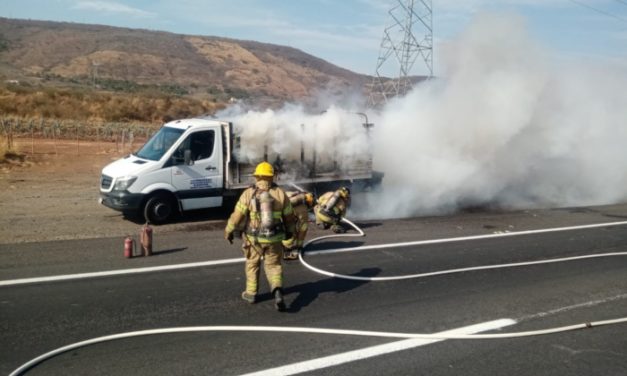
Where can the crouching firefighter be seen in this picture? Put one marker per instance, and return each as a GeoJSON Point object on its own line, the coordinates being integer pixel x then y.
{"type": "Point", "coordinates": [301, 202]}
{"type": "Point", "coordinates": [330, 209]}
{"type": "Point", "coordinates": [265, 215]}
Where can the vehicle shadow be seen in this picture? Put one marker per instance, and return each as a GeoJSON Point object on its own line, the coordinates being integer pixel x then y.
{"type": "Point", "coordinates": [310, 291]}
{"type": "Point", "coordinates": [330, 245]}
{"type": "Point", "coordinates": [166, 251]}
{"type": "Point", "coordinates": [368, 224]}
{"type": "Point", "coordinates": [200, 215]}
{"type": "Point", "coordinates": [191, 216]}
{"type": "Point", "coordinates": [615, 216]}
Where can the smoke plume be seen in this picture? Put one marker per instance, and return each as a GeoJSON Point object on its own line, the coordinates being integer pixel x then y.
{"type": "Point", "coordinates": [506, 124]}
{"type": "Point", "coordinates": [335, 134]}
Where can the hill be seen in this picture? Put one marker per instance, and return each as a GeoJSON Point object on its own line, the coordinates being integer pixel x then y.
{"type": "Point", "coordinates": [211, 70]}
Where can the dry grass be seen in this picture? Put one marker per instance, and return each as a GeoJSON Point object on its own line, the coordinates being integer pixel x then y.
{"type": "Point", "coordinates": [83, 104]}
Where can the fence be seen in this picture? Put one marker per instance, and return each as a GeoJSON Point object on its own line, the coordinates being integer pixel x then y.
{"type": "Point", "coordinates": [53, 136]}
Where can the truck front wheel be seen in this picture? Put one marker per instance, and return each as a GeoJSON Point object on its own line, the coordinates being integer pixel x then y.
{"type": "Point", "coordinates": [159, 208]}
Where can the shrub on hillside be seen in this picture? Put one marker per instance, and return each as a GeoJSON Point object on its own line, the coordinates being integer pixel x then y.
{"type": "Point", "coordinates": [84, 104]}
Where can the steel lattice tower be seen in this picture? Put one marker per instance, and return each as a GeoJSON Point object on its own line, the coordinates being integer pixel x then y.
{"type": "Point", "coordinates": [408, 36]}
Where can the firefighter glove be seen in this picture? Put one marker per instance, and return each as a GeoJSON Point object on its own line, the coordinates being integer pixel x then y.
{"type": "Point", "coordinates": [228, 235]}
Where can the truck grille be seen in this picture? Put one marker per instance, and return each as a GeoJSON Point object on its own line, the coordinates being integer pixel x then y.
{"type": "Point", "coordinates": [105, 181]}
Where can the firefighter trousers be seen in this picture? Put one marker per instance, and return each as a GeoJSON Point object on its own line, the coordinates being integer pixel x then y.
{"type": "Point", "coordinates": [272, 254]}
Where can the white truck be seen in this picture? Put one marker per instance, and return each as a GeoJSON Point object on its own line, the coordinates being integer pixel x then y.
{"type": "Point", "coordinates": [193, 164]}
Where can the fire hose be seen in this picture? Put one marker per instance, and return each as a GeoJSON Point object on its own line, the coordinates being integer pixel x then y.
{"type": "Point", "coordinates": [360, 233]}
{"type": "Point", "coordinates": [28, 365]}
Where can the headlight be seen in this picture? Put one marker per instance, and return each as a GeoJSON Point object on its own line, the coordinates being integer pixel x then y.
{"type": "Point", "coordinates": [124, 183]}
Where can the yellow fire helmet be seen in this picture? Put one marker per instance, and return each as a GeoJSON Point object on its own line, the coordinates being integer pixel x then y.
{"type": "Point", "coordinates": [309, 199]}
{"type": "Point", "coordinates": [264, 169]}
{"type": "Point", "coordinates": [345, 192]}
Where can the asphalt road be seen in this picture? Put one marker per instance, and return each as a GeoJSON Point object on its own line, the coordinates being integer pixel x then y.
{"type": "Point", "coordinates": [39, 317]}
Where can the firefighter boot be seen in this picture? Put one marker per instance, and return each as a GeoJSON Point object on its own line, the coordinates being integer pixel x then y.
{"type": "Point", "coordinates": [295, 252]}
{"type": "Point", "coordinates": [290, 254]}
{"type": "Point", "coordinates": [250, 298]}
{"type": "Point", "coordinates": [323, 225]}
{"type": "Point", "coordinates": [279, 303]}
{"type": "Point", "coordinates": [338, 229]}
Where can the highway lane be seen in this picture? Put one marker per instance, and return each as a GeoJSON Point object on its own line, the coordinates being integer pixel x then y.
{"type": "Point", "coordinates": [37, 318]}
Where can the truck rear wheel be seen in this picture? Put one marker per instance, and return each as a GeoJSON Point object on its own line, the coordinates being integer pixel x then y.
{"type": "Point", "coordinates": [159, 208]}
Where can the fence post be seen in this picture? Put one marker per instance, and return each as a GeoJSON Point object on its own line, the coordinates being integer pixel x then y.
{"type": "Point", "coordinates": [123, 139]}
{"type": "Point", "coordinates": [10, 136]}
{"type": "Point", "coordinates": [3, 122]}
{"type": "Point", "coordinates": [55, 125]}
{"type": "Point", "coordinates": [131, 138]}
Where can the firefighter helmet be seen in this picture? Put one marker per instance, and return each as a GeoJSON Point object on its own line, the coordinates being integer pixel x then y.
{"type": "Point", "coordinates": [345, 193]}
{"type": "Point", "coordinates": [309, 199]}
{"type": "Point", "coordinates": [264, 169]}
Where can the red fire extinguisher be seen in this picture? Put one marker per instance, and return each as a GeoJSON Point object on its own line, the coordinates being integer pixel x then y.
{"type": "Point", "coordinates": [129, 245]}
{"type": "Point", "coordinates": [145, 238]}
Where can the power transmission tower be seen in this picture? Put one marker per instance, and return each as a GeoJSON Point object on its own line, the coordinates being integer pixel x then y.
{"type": "Point", "coordinates": [408, 36]}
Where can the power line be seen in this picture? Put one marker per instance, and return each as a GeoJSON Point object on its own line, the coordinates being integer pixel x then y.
{"type": "Point", "coordinates": [622, 1]}
{"type": "Point", "coordinates": [599, 10]}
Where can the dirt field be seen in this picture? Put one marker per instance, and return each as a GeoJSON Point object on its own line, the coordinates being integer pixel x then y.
{"type": "Point", "coordinates": [54, 196]}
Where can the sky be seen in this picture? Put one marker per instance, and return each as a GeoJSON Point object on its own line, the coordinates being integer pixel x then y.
{"type": "Point", "coordinates": [347, 33]}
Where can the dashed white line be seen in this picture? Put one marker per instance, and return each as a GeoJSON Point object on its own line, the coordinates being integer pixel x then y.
{"type": "Point", "coordinates": [591, 303]}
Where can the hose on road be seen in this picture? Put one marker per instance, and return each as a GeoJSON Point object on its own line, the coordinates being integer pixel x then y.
{"type": "Point", "coordinates": [360, 233]}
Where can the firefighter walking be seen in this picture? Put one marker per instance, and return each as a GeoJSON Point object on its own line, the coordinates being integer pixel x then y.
{"type": "Point", "coordinates": [330, 209]}
{"type": "Point", "coordinates": [301, 202]}
{"type": "Point", "coordinates": [265, 216]}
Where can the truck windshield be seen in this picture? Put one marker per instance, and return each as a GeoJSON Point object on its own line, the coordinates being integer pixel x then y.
{"type": "Point", "coordinates": [158, 144]}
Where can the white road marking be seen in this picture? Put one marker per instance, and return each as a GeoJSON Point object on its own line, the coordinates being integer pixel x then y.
{"type": "Point", "coordinates": [369, 352]}
{"type": "Point", "coordinates": [591, 303]}
{"type": "Point", "coordinates": [118, 272]}
{"type": "Point", "coordinates": [465, 238]}
{"type": "Point", "coordinates": [66, 277]}
{"type": "Point", "coordinates": [459, 270]}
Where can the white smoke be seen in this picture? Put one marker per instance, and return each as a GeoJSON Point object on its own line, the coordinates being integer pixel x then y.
{"type": "Point", "coordinates": [504, 125]}
{"type": "Point", "coordinates": [335, 135]}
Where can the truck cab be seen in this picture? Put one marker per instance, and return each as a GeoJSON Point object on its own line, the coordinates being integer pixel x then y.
{"type": "Point", "coordinates": [180, 167]}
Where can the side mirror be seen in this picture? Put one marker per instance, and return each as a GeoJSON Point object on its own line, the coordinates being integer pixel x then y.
{"type": "Point", "coordinates": [187, 155]}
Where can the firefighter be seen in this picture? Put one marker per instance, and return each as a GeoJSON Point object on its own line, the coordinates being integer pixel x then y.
{"type": "Point", "coordinates": [302, 202]}
{"type": "Point", "coordinates": [330, 209]}
{"type": "Point", "coordinates": [265, 216]}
